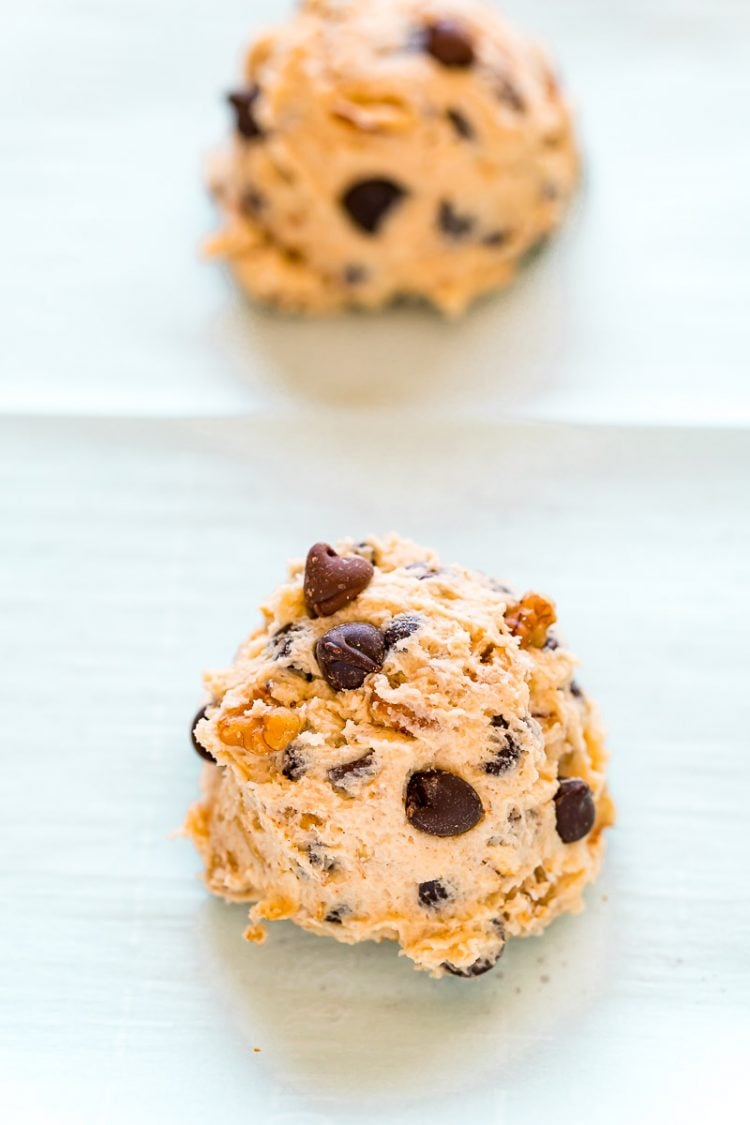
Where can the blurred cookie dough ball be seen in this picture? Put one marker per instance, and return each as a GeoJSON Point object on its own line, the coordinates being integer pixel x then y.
{"type": "Point", "coordinates": [391, 149]}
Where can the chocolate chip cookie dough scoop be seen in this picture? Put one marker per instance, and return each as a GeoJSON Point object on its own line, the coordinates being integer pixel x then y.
{"type": "Point", "coordinates": [389, 149]}
{"type": "Point", "coordinates": [400, 752]}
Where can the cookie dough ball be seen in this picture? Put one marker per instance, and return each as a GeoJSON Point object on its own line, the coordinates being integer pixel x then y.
{"type": "Point", "coordinates": [400, 752]}
{"type": "Point", "coordinates": [391, 149]}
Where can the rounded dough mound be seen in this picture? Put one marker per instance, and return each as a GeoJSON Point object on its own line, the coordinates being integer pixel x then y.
{"type": "Point", "coordinates": [372, 162]}
{"type": "Point", "coordinates": [309, 812]}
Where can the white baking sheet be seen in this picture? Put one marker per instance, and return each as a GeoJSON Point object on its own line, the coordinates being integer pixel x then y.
{"type": "Point", "coordinates": [164, 448]}
{"type": "Point", "coordinates": [134, 553]}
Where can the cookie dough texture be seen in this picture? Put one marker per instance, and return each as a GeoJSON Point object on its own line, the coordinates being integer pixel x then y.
{"type": "Point", "coordinates": [390, 149]}
{"type": "Point", "coordinates": [306, 813]}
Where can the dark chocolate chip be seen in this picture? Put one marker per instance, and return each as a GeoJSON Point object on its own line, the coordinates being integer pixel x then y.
{"type": "Point", "coordinates": [422, 570]}
{"type": "Point", "coordinates": [481, 966]}
{"type": "Point", "coordinates": [452, 222]}
{"type": "Point", "coordinates": [575, 811]}
{"type": "Point", "coordinates": [293, 763]}
{"type": "Point", "coordinates": [551, 643]}
{"type": "Point", "coordinates": [433, 892]}
{"type": "Point", "coordinates": [280, 643]}
{"type": "Point", "coordinates": [205, 754]}
{"type": "Point", "coordinates": [496, 238]}
{"type": "Point", "coordinates": [303, 675]}
{"type": "Point", "coordinates": [461, 124]}
{"type": "Point", "coordinates": [507, 93]}
{"type": "Point", "coordinates": [355, 275]}
{"type": "Point", "coordinates": [336, 916]}
{"type": "Point", "coordinates": [449, 42]}
{"type": "Point", "coordinates": [576, 690]}
{"type": "Point", "coordinates": [441, 803]}
{"type": "Point", "coordinates": [320, 858]}
{"type": "Point", "coordinates": [506, 758]}
{"type": "Point", "coordinates": [400, 628]}
{"type": "Point", "coordinates": [347, 654]}
{"type": "Point", "coordinates": [252, 202]}
{"type": "Point", "coordinates": [340, 776]}
{"type": "Point", "coordinates": [243, 103]}
{"type": "Point", "coordinates": [499, 721]}
{"type": "Point", "coordinates": [332, 581]}
{"type": "Point", "coordinates": [368, 202]}
{"type": "Point", "coordinates": [280, 646]}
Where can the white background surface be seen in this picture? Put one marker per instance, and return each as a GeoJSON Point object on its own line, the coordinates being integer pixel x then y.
{"type": "Point", "coordinates": [163, 450]}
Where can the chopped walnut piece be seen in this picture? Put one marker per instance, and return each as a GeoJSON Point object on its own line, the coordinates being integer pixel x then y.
{"type": "Point", "coordinates": [310, 820]}
{"type": "Point", "coordinates": [274, 908]}
{"type": "Point", "coordinates": [530, 619]}
{"type": "Point", "coordinates": [260, 734]}
{"type": "Point", "coordinates": [397, 715]}
{"type": "Point", "coordinates": [280, 727]}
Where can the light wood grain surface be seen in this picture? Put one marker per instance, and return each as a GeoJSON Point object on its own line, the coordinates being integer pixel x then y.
{"type": "Point", "coordinates": [164, 449]}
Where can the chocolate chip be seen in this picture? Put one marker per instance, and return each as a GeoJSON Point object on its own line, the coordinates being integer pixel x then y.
{"type": "Point", "coordinates": [355, 275]}
{"type": "Point", "coordinates": [449, 43]}
{"type": "Point", "coordinates": [461, 124]}
{"type": "Point", "coordinates": [336, 916]}
{"type": "Point", "coordinates": [340, 776]}
{"type": "Point", "coordinates": [422, 570]}
{"type": "Point", "coordinates": [280, 647]}
{"type": "Point", "coordinates": [303, 675]}
{"type": "Point", "coordinates": [496, 238]}
{"type": "Point", "coordinates": [506, 758]}
{"type": "Point", "coordinates": [507, 93]}
{"type": "Point", "coordinates": [293, 763]}
{"type": "Point", "coordinates": [551, 643]}
{"type": "Point", "coordinates": [368, 202]}
{"type": "Point", "coordinates": [243, 102]}
{"type": "Point", "coordinates": [205, 754]}
{"type": "Point", "coordinates": [332, 581]}
{"type": "Point", "coordinates": [483, 965]}
{"type": "Point", "coordinates": [452, 222]}
{"type": "Point", "coordinates": [347, 654]}
{"type": "Point", "coordinates": [508, 752]}
{"type": "Point", "coordinates": [576, 690]}
{"type": "Point", "coordinates": [400, 628]}
{"type": "Point", "coordinates": [320, 858]}
{"type": "Point", "coordinates": [280, 643]}
{"type": "Point", "coordinates": [575, 811]}
{"type": "Point", "coordinates": [442, 804]}
{"type": "Point", "coordinates": [252, 202]}
{"type": "Point", "coordinates": [433, 892]}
